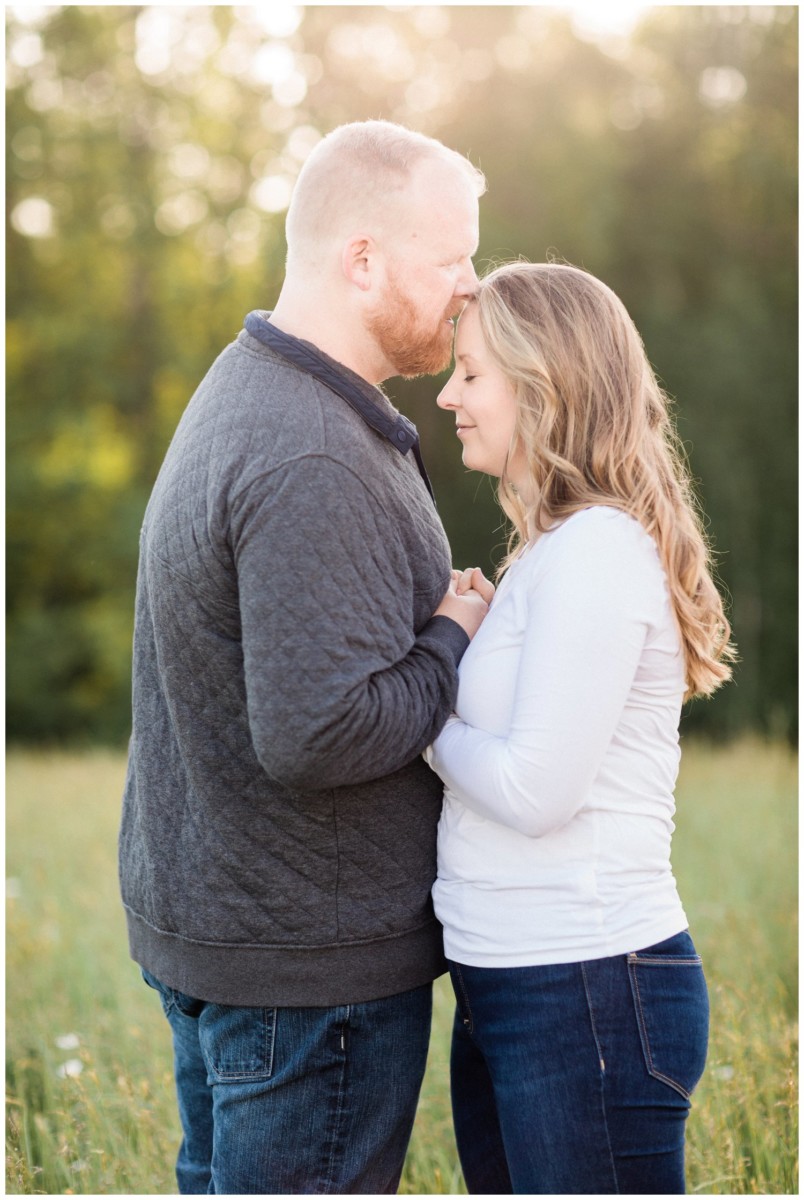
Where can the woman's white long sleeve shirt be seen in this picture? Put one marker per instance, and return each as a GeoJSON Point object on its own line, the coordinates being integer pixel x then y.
{"type": "Point", "coordinates": [560, 763]}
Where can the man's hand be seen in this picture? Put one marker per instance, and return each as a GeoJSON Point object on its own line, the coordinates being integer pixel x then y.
{"type": "Point", "coordinates": [473, 577]}
{"type": "Point", "coordinates": [467, 599]}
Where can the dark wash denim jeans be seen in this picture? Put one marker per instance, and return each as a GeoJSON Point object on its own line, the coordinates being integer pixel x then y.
{"type": "Point", "coordinates": [296, 1100]}
{"type": "Point", "coordinates": [576, 1079]}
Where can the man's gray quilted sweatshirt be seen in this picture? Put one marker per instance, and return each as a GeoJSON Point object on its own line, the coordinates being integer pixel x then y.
{"type": "Point", "coordinates": [278, 835]}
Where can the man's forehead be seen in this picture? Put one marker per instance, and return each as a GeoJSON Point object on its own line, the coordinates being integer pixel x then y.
{"type": "Point", "coordinates": [449, 212]}
{"type": "Point", "coordinates": [430, 177]}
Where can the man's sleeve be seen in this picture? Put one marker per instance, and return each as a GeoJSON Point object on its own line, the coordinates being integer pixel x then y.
{"type": "Point", "coordinates": [340, 689]}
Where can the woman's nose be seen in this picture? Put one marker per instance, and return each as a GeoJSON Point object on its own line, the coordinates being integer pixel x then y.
{"type": "Point", "coordinates": [444, 398]}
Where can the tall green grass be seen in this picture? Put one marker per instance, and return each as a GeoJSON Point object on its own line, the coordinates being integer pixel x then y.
{"type": "Point", "coordinates": [90, 1101]}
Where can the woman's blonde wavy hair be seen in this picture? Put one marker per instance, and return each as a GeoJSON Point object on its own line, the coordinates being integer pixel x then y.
{"type": "Point", "coordinates": [593, 424]}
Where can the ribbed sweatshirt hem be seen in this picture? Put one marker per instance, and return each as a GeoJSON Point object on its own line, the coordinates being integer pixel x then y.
{"type": "Point", "coordinates": [321, 976]}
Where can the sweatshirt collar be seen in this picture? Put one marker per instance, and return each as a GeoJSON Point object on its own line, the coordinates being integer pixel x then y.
{"type": "Point", "coordinates": [365, 399]}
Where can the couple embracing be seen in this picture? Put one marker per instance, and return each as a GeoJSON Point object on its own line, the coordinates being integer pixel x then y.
{"type": "Point", "coordinates": [354, 767]}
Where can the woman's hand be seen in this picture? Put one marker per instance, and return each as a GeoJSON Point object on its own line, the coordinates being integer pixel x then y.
{"type": "Point", "coordinates": [473, 577]}
{"type": "Point", "coordinates": [467, 599]}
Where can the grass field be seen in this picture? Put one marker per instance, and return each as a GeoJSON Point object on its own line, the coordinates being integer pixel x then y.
{"type": "Point", "coordinates": [90, 1103]}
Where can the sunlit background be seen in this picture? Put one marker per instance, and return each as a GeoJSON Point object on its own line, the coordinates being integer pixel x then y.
{"type": "Point", "coordinates": [151, 154]}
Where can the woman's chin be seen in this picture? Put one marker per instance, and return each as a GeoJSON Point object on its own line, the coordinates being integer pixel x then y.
{"type": "Point", "coordinates": [473, 463]}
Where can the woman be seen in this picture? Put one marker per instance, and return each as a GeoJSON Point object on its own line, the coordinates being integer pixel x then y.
{"type": "Point", "coordinates": [582, 1012]}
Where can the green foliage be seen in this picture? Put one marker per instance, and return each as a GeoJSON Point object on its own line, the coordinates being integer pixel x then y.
{"type": "Point", "coordinates": [108, 1124]}
{"type": "Point", "coordinates": [149, 154]}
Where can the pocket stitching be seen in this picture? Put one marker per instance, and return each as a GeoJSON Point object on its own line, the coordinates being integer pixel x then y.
{"type": "Point", "coordinates": [633, 959]}
{"type": "Point", "coordinates": [666, 960]}
{"type": "Point", "coordinates": [241, 1073]}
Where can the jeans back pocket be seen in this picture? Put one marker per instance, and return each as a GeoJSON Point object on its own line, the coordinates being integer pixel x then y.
{"type": "Point", "coordinates": [237, 1043]}
{"type": "Point", "coordinates": [672, 1011]}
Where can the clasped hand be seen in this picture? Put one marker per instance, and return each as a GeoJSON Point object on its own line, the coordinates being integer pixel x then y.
{"type": "Point", "coordinates": [467, 599]}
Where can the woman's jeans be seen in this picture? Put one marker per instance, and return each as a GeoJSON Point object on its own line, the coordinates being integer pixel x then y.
{"type": "Point", "coordinates": [296, 1100]}
{"type": "Point", "coordinates": [576, 1079]}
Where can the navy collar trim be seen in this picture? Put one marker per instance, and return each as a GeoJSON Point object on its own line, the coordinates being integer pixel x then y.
{"type": "Point", "coordinates": [359, 394]}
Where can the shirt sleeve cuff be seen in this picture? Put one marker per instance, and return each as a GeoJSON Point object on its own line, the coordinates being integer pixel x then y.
{"type": "Point", "coordinates": [449, 633]}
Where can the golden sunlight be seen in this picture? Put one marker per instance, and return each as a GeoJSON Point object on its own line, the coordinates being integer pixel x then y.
{"type": "Point", "coordinates": [597, 20]}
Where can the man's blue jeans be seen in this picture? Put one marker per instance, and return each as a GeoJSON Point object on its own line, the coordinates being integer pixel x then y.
{"type": "Point", "coordinates": [296, 1100]}
{"type": "Point", "coordinates": [576, 1079]}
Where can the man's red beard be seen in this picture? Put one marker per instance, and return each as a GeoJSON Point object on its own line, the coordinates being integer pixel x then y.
{"type": "Point", "coordinates": [411, 349]}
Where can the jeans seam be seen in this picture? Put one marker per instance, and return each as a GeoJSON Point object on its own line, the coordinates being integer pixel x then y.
{"type": "Point", "coordinates": [167, 996]}
{"type": "Point", "coordinates": [643, 1031]}
{"type": "Point", "coordinates": [470, 1023]}
{"type": "Point", "coordinates": [338, 1102]}
{"type": "Point", "coordinates": [271, 1040]}
{"type": "Point", "coordinates": [602, 1062]}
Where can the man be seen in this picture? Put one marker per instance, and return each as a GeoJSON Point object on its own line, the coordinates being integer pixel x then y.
{"type": "Point", "coordinates": [278, 838]}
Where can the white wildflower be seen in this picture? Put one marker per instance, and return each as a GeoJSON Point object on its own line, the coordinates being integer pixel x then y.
{"type": "Point", "coordinates": [68, 1041]}
{"type": "Point", "coordinates": [71, 1069]}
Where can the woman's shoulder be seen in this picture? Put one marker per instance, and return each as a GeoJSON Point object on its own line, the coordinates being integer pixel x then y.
{"type": "Point", "coordinates": [602, 529]}
{"type": "Point", "coordinates": [599, 546]}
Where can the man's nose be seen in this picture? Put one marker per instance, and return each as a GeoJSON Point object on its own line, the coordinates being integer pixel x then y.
{"type": "Point", "coordinates": [467, 280]}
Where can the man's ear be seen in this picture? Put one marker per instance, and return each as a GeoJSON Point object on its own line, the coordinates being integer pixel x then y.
{"type": "Point", "coordinates": [357, 260]}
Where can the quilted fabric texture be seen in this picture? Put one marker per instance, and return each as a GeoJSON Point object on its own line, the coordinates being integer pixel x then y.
{"type": "Point", "coordinates": [278, 835]}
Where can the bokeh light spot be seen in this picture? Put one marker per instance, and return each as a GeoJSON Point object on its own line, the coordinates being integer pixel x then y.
{"type": "Point", "coordinates": [34, 218]}
{"type": "Point", "coordinates": [721, 86]}
{"type": "Point", "coordinates": [272, 194]}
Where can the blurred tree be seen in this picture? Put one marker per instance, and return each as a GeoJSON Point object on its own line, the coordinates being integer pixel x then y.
{"type": "Point", "coordinates": [150, 156]}
{"type": "Point", "coordinates": [713, 254]}
{"type": "Point", "coordinates": [139, 270]}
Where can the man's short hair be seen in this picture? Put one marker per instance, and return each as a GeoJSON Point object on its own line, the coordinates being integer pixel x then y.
{"type": "Point", "coordinates": [355, 172]}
